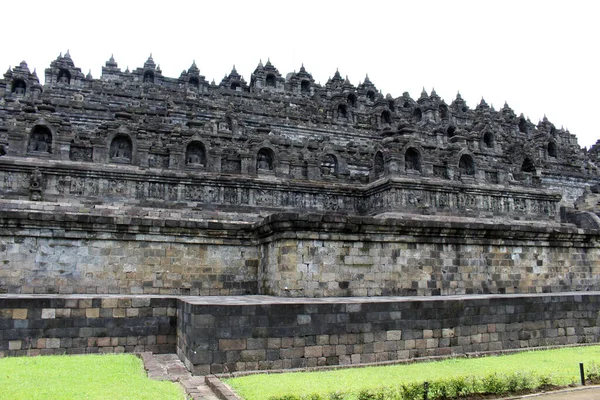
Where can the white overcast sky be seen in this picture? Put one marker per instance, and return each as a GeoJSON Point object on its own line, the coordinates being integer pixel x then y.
{"type": "Point", "coordinates": [542, 57]}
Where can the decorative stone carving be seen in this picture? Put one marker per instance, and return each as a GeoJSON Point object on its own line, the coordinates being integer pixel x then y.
{"type": "Point", "coordinates": [77, 153]}
{"type": "Point", "coordinates": [264, 160]}
{"type": "Point", "coordinates": [121, 150]}
{"type": "Point", "coordinates": [40, 140]}
{"type": "Point", "coordinates": [35, 185]}
{"type": "Point", "coordinates": [329, 165]}
{"type": "Point", "coordinates": [195, 155]}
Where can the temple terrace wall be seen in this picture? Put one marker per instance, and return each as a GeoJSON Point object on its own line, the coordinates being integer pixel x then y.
{"type": "Point", "coordinates": [57, 249]}
{"type": "Point", "coordinates": [218, 334]}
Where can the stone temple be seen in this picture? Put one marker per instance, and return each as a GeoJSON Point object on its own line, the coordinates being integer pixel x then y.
{"type": "Point", "coordinates": [279, 223]}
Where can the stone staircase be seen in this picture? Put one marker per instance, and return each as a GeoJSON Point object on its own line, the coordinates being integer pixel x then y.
{"type": "Point", "coordinates": [168, 367]}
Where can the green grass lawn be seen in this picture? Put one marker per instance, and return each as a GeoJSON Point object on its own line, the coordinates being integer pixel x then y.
{"type": "Point", "coordinates": [110, 376]}
{"type": "Point", "coordinates": [561, 364]}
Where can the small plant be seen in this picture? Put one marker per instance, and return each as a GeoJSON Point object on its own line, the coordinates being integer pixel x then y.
{"type": "Point", "coordinates": [285, 397]}
{"type": "Point", "coordinates": [412, 391]}
{"type": "Point", "coordinates": [494, 384]}
{"type": "Point", "coordinates": [336, 396]}
{"type": "Point", "coordinates": [593, 373]}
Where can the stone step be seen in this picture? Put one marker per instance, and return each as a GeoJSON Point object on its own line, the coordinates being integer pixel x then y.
{"type": "Point", "coordinates": [168, 367]}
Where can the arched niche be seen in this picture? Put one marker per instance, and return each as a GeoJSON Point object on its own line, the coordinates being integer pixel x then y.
{"type": "Point", "coordinates": [528, 166]}
{"type": "Point", "coordinates": [342, 111]}
{"type": "Point", "coordinates": [488, 140]}
{"type": "Point", "coordinates": [270, 80]}
{"type": "Point", "coordinates": [19, 87]}
{"type": "Point", "coordinates": [522, 125]}
{"type": "Point", "coordinates": [392, 105]}
{"type": "Point", "coordinates": [466, 165]}
{"type": "Point", "coordinates": [265, 160]}
{"type": "Point", "coordinates": [64, 76]}
{"type": "Point", "coordinates": [195, 154]}
{"type": "Point", "coordinates": [234, 85]}
{"type": "Point", "coordinates": [443, 111]}
{"type": "Point", "coordinates": [412, 160]}
{"type": "Point", "coordinates": [451, 131]}
{"type": "Point", "coordinates": [305, 86]}
{"type": "Point", "coordinates": [417, 114]}
{"type": "Point", "coordinates": [352, 99]}
{"type": "Point", "coordinates": [551, 149]}
{"type": "Point", "coordinates": [148, 77]}
{"type": "Point", "coordinates": [329, 165]}
{"type": "Point", "coordinates": [371, 95]}
{"type": "Point", "coordinates": [194, 81]}
{"type": "Point", "coordinates": [121, 149]}
{"type": "Point", "coordinates": [386, 117]}
{"type": "Point", "coordinates": [378, 165]}
{"type": "Point", "coordinates": [40, 140]}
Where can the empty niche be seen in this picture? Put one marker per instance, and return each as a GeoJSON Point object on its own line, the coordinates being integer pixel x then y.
{"type": "Point", "coordinates": [392, 105]}
{"type": "Point", "coordinates": [19, 87]}
{"type": "Point", "coordinates": [488, 140]}
{"type": "Point", "coordinates": [195, 155]}
{"type": "Point", "coordinates": [412, 160]}
{"type": "Point", "coordinates": [371, 95]}
{"type": "Point", "coordinates": [528, 166]}
{"type": "Point", "coordinates": [40, 139]}
{"type": "Point", "coordinates": [466, 166]}
{"type": "Point", "coordinates": [386, 117]}
{"type": "Point", "coordinates": [451, 131]}
{"type": "Point", "coordinates": [264, 160]}
{"type": "Point", "coordinates": [305, 86]}
{"type": "Point", "coordinates": [352, 99]}
{"type": "Point", "coordinates": [235, 86]}
{"type": "Point", "coordinates": [270, 80]}
{"type": "Point", "coordinates": [64, 76]}
{"type": "Point", "coordinates": [522, 125]}
{"type": "Point", "coordinates": [121, 149]}
{"type": "Point", "coordinates": [443, 111]}
{"type": "Point", "coordinates": [552, 149]}
{"type": "Point", "coordinates": [342, 111]}
{"type": "Point", "coordinates": [417, 115]}
{"type": "Point", "coordinates": [194, 81]}
{"type": "Point", "coordinates": [378, 164]}
{"type": "Point", "coordinates": [329, 165]}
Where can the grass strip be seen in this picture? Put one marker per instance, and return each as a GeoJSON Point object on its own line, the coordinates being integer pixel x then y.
{"type": "Point", "coordinates": [109, 376]}
{"type": "Point", "coordinates": [558, 367]}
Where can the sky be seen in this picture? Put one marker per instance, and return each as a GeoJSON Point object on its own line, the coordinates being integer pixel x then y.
{"type": "Point", "coordinates": [541, 57]}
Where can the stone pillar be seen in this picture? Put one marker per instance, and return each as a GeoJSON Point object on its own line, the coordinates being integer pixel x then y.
{"type": "Point", "coordinates": [214, 161]}
{"type": "Point", "coordinates": [313, 170]}
{"type": "Point", "coordinates": [248, 164]}
{"type": "Point", "coordinates": [142, 155]}
{"type": "Point", "coordinates": [62, 148]}
{"type": "Point", "coordinates": [176, 159]}
{"type": "Point", "coordinates": [283, 169]}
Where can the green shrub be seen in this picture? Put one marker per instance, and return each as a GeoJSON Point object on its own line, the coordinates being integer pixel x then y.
{"type": "Point", "coordinates": [286, 397]}
{"type": "Point", "coordinates": [494, 384]}
{"type": "Point", "coordinates": [451, 388]}
{"type": "Point", "coordinates": [412, 391]}
{"type": "Point", "coordinates": [336, 396]}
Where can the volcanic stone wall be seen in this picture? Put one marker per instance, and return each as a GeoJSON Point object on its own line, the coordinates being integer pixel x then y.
{"type": "Point", "coordinates": [32, 325]}
{"type": "Point", "coordinates": [57, 250]}
{"type": "Point", "coordinates": [313, 255]}
{"type": "Point", "coordinates": [271, 333]}
{"type": "Point", "coordinates": [323, 256]}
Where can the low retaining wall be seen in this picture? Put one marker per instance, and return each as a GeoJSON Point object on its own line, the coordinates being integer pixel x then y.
{"type": "Point", "coordinates": [262, 333]}
{"type": "Point", "coordinates": [215, 335]}
{"type": "Point", "coordinates": [40, 325]}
